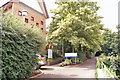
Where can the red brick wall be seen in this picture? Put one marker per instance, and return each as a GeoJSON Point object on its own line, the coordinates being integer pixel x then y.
{"type": "Point", "coordinates": [37, 17]}
{"type": "Point", "coordinates": [7, 7]}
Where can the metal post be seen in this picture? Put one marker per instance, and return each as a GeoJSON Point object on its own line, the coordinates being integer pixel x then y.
{"type": "Point", "coordinates": [62, 48]}
{"type": "Point", "coordinates": [75, 60]}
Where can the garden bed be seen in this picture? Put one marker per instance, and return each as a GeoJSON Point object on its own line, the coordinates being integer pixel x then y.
{"type": "Point", "coordinates": [55, 61]}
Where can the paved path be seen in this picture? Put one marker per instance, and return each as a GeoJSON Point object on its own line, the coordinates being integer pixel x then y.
{"type": "Point", "coordinates": [101, 73]}
{"type": "Point", "coordinates": [84, 70]}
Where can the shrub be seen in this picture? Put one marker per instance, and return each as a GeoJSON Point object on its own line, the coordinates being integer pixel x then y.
{"type": "Point", "coordinates": [113, 63]}
{"type": "Point", "coordinates": [99, 63]}
{"type": "Point", "coordinates": [81, 56]}
{"type": "Point", "coordinates": [53, 60]}
{"type": "Point", "coordinates": [66, 62]}
{"type": "Point", "coordinates": [90, 54]}
{"type": "Point", "coordinates": [56, 54]}
{"type": "Point", "coordinates": [20, 43]}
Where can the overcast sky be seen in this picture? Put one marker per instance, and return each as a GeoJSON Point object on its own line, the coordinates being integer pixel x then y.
{"type": "Point", "coordinates": [108, 10]}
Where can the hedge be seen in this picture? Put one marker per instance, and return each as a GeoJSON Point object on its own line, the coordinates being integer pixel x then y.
{"type": "Point", "coordinates": [20, 44]}
{"type": "Point", "coordinates": [113, 64]}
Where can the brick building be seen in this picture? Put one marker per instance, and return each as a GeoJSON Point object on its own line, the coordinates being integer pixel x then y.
{"type": "Point", "coordinates": [33, 11]}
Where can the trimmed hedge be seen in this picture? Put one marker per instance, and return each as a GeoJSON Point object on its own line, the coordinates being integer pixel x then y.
{"type": "Point", "coordinates": [20, 44]}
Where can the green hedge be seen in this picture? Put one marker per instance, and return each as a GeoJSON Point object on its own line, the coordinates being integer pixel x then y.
{"type": "Point", "coordinates": [20, 43]}
{"type": "Point", "coordinates": [99, 60]}
{"type": "Point", "coordinates": [113, 63]}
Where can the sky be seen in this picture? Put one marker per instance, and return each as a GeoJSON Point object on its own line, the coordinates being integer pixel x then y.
{"type": "Point", "coordinates": [108, 10]}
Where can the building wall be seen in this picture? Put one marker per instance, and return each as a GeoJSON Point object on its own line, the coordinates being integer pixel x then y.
{"type": "Point", "coordinates": [15, 7]}
{"type": "Point", "coordinates": [37, 17]}
{"type": "Point", "coordinates": [7, 7]}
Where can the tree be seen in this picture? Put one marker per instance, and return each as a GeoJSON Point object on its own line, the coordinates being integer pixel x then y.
{"type": "Point", "coordinates": [118, 27]}
{"type": "Point", "coordinates": [110, 42]}
{"type": "Point", "coordinates": [78, 23]}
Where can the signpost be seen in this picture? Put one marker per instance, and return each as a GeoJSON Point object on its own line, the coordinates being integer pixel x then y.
{"type": "Point", "coordinates": [71, 55]}
{"type": "Point", "coordinates": [50, 55]}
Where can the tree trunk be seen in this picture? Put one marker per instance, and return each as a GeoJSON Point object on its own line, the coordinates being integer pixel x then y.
{"type": "Point", "coordinates": [73, 47]}
{"type": "Point", "coordinates": [80, 47]}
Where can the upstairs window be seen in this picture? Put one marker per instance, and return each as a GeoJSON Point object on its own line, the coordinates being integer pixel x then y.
{"type": "Point", "coordinates": [32, 18]}
{"type": "Point", "coordinates": [37, 24]}
{"type": "Point", "coordinates": [26, 20]}
{"type": "Point", "coordinates": [19, 13]}
{"type": "Point", "coordinates": [41, 22]}
{"type": "Point", "coordinates": [42, 29]}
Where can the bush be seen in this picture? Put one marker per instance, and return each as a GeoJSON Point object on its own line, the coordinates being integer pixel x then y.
{"type": "Point", "coordinates": [53, 60]}
{"type": "Point", "coordinates": [56, 54]}
{"type": "Point", "coordinates": [113, 63]}
{"type": "Point", "coordinates": [99, 63]}
{"type": "Point", "coordinates": [90, 54]}
{"type": "Point", "coordinates": [66, 62]}
{"type": "Point", "coordinates": [20, 43]}
{"type": "Point", "coordinates": [81, 56]}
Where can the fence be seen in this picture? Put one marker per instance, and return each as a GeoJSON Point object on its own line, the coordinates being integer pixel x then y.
{"type": "Point", "coordinates": [107, 71]}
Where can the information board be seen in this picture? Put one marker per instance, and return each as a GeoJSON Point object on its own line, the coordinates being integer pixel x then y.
{"type": "Point", "coordinates": [50, 53]}
{"type": "Point", "coordinates": [70, 54]}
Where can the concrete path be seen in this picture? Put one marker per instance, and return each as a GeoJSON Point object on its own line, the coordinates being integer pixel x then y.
{"type": "Point", "coordinates": [101, 74]}
{"type": "Point", "coordinates": [84, 70]}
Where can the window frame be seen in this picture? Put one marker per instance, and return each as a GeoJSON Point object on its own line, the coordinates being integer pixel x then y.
{"type": "Point", "coordinates": [42, 29]}
{"type": "Point", "coordinates": [19, 13]}
{"type": "Point", "coordinates": [42, 22]}
{"type": "Point", "coordinates": [37, 24]}
{"type": "Point", "coordinates": [26, 19]}
{"type": "Point", "coordinates": [32, 18]}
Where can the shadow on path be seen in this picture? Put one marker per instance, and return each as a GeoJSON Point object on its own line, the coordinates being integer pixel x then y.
{"type": "Point", "coordinates": [83, 70]}
{"type": "Point", "coordinates": [90, 64]}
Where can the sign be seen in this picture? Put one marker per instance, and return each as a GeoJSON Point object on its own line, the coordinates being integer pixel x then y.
{"type": "Point", "coordinates": [70, 54]}
{"type": "Point", "coordinates": [50, 53]}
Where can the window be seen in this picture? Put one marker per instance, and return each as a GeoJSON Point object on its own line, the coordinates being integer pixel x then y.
{"type": "Point", "coordinates": [37, 24]}
{"type": "Point", "coordinates": [32, 18]}
{"type": "Point", "coordinates": [41, 22]}
{"type": "Point", "coordinates": [19, 13]}
{"type": "Point", "coordinates": [42, 29]}
{"type": "Point", "coordinates": [26, 20]}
